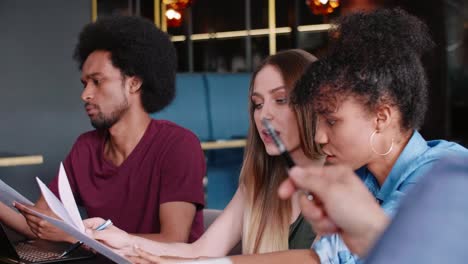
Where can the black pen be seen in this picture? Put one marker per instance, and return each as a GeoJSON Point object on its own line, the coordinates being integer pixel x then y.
{"type": "Point", "coordinates": [79, 243]}
{"type": "Point", "coordinates": [283, 151]}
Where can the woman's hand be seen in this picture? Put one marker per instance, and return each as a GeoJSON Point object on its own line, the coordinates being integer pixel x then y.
{"type": "Point", "coordinates": [142, 257]}
{"type": "Point", "coordinates": [342, 204]}
{"type": "Point", "coordinates": [112, 236]}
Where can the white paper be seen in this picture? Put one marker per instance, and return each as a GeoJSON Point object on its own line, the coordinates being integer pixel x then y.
{"type": "Point", "coordinates": [68, 200]}
{"type": "Point", "coordinates": [9, 195]}
{"type": "Point", "coordinates": [68, 211]}
{"type": "Point", "coordinates": [94, 244]}
{"type": "Point", "coordinates": [54, 203]}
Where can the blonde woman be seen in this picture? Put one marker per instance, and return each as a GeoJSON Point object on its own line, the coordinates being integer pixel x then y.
{"type": "Point", "coordinates": [255, 215]}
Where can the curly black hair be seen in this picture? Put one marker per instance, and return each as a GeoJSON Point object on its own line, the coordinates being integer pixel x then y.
{"type": "Point", "coordinates": [376, 57]}
{"type": "Point", "coordinates": [137, 48]}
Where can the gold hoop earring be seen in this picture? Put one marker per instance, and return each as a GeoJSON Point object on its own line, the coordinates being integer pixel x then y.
{"type": "Point", "coordinates": [371, 140]}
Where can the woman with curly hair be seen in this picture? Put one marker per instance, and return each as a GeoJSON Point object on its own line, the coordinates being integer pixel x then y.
{"type": "Point", "coordinates": [370, 95]}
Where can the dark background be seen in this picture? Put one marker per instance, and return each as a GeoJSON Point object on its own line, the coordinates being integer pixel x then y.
{"type": "Point", "coordinates": [40, 107]}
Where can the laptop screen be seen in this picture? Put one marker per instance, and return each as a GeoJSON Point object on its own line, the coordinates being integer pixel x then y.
{"type": "Point", "coordinates": [36, 251]}
{"type": "Point", "coordinates": [6, 247]}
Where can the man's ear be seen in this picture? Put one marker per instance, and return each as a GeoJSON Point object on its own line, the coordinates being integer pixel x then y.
{"type": "Point", "coordinates": [135, 84]}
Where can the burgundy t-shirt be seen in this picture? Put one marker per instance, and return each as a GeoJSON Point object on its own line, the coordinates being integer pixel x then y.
{"type": "Point", "coordinates": [166, 165]}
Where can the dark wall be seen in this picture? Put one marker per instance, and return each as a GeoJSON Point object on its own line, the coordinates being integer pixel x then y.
{"type": "Point", "coordinates": [444, 67]}
{"type": "Point", "coordinates": [437, 123]}
{"type": "Point", "coordinates": [40, 107]}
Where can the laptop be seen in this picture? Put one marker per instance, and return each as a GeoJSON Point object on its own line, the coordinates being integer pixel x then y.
{"type": "Point", "coordinates": [35, 251]}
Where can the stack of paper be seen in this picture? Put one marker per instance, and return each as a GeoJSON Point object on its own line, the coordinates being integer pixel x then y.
{"type": "Point", "coordinates": [66, 209]}
{"type": "Point", "coordinates": [9, 195]}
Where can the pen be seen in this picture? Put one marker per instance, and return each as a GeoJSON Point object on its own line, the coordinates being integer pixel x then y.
{"type": "Point", "coordinates": [79, 243]}
{"type": "Point", "coordinates": [283, 151]}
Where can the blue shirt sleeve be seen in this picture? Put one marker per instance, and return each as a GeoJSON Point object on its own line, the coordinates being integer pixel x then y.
{"type": "Point", "coordinates": [414, 162]}
{"type": "Point", "coordinates": [332, 250]}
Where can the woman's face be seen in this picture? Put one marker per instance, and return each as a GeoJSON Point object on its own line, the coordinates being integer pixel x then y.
{"type": "Point", "coordinates": [344, 134]}
{"type": "Point", "coordinates": [270, 100]}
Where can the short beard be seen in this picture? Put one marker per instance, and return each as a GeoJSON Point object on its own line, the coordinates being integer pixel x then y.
{"type": "Point", "coordinates": [102, 122]}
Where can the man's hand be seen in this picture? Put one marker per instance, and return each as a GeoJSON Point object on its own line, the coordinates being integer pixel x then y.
{"type": "Point", "coordinates": [40, 227]}
{"type": "Point", "coordinates": [342, 204]}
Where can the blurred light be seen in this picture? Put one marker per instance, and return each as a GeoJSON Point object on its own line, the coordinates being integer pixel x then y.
{"type": "Point", "coordinates": [178, 4]}
{"type": "Point", "coordinates": [172, 14]}
{"type": "Point", "coordinates": [175, 9]}
{"type": "Point", "coordinates": [174, 18]}
{"type": "Point", "coordinates": [322, 7]}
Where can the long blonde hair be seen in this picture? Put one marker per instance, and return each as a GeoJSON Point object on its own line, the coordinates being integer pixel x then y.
{"type": "Point", "coordinates": [266, 217]}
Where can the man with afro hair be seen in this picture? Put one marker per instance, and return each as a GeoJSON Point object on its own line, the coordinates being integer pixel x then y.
{"type": "Point", "coordinates": [143, 174]}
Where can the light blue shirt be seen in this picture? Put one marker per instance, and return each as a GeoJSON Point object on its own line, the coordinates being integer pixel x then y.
{"type": "Point", "coordinates": [414, 161]}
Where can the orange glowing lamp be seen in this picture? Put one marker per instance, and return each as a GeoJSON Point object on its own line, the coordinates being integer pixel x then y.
{"type": "Point", "coordinates": [175, 9]}
{"type": "Point", "coordinates": [322, 7]}
{"type": "Point", "coordinates": [174, 18]}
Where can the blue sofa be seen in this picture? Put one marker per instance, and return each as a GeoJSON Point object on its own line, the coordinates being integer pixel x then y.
{"type": "Point", "coordinates": [214, 107]}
